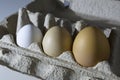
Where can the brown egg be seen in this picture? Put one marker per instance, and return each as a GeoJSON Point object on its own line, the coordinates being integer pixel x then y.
{"type": "Point", "coordinates": [90, 46]}
{"type": "Point", "coordinates": [56, 41]}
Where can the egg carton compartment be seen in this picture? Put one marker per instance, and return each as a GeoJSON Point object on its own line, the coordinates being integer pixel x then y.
{"type": "Point", "coordinates": [34, 62]}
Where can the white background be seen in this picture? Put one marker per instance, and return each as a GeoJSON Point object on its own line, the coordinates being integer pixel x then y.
{"type": "Point", "coordinates": [8, 7]}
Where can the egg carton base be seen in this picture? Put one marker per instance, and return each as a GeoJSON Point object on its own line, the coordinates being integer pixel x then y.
{"type": "Point", "coordinates": [37, 64]}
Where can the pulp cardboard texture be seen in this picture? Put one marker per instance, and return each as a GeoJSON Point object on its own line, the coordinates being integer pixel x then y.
{"type": "Point", "coordinates": [33, 61]}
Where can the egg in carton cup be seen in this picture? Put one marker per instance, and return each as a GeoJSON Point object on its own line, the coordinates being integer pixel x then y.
{"type": "Point", "coordinates": [32, 59]}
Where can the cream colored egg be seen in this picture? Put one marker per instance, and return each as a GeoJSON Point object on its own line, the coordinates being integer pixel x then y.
{"type": "Point", "coordinates": [56, 41]}
{"type": "Point", "coordinates": [90, 46]}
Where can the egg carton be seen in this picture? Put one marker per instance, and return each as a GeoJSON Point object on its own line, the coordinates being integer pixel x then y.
{"type": "Point", "coordinates": [34, 62]}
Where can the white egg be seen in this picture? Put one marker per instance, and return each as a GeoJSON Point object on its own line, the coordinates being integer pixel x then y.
{"type": "Point", "coordinates": [27, 35]}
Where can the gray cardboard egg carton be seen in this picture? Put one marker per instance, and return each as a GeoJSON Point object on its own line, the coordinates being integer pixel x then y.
{"type": "Point", "coordinates": [32, 60]}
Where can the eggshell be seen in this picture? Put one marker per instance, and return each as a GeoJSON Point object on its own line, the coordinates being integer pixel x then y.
{"type": "Point", "coordinates": [90, 46]}
{"type": "Point", "coordinates": [27, 35]}
{"type": "Point", "coordinates": [56, 41]}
